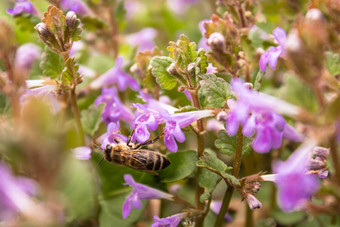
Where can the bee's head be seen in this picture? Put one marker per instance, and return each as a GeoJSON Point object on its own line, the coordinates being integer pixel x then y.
{"type": "Point", "coordinates": [107, 152]}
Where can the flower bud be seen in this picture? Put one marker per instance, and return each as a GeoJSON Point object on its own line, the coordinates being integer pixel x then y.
{"type": "Point", "coordinates": [191, 68]}
{"type": "Point", "coordinates": [314, 15]}
{"type": "Point", "coordinates": [71, 19]}
{"type": "Point", "coordinates": [43, 31]}
{"type": "Point", "coordinates": [241, 63]}
{"type": "Point", "coordinates": [181, 88]}
{"type": "Point", "coordinates": [136, 70]}
{"type": "Point", "coordinates": [172, 69]}
{"type": "Point", "coordinates": [217, 41]}
{"type": "Point", "coordinates": [253, 202]}
{"type": "Point", "coordinates": [222, 116]}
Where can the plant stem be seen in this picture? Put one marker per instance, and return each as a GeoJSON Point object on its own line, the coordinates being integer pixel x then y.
{"type": "Point", "coordinates": [236, 170]}
{"type": "Point", "coordinates": [200, 151]}
{"type": "Point", "coordinates": [335, 157]}
{"type": "Point", "coordinates": [76, 113]}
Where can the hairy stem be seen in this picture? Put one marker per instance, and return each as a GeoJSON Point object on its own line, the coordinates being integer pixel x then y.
{"type": "Point", "coordinates": [335, 157]}
{"type": "Point", "coordinates": [200, 151]}
{"type": "Point", "coordinates": [236, 170]}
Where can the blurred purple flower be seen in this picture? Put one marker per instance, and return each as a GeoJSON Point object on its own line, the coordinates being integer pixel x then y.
{"type": "Point", "coordinates": [295, 187]}
{"type": "Point", "coordinates": [138, 193]}
{"type": "Point", "coordinates": [175, 122]}
{"type": "Point", "coordinates": [15, 194]}
{"type": "Point", "coordinates": [144, 122]}
{"type": "Point", "coordinates": [23, 6]}
{"type": "Point", "coordinates": [180, 6]}
{"type": "Point", "coordinates": [203, 42]}
{"type": "Point", "coordinates": [117, 76]}
{"type": "Point", "coordinates": [114, 108]}
{"type": "Point", "coordinates": [171, 221]}
{"type": "Point", "coordinates": [112, 133]}
{"type": "Point", "coordinates": [26, 55]}
{"type": "Point", "coordinates": [211, 69]}
{"type": "Point", "coordinates": [273, 53]}
{"type": "Point", "coordinates": [142, 39]}
{"type": "Point", "coordinates": [254, 112]}
{"type": "Point", "coordinates": [215, 207]}
{"type": "Point", "coordinates": [82, 153]}
{"type": "Point", "coordinates": [44, 91]}
{"type": "Point", "coordinates": [76, 6]}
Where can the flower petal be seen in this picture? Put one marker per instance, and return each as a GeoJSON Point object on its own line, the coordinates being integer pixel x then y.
{"type": "Point", "coordinates": [170, 143]}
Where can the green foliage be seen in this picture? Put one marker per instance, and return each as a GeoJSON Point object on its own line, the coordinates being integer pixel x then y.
{"type": "Point", "coordinates": [207, 180]}
{"type": "Point", "coordinates": [70, 72]}
{"type": "Point", "coordinates": [183, 52]}
{"type": "Point", "coordinates": [52, 64]}
{"type": "Point", "coordinates": [288, 218]}
{"type": "Point", "coordinates": [182, 165]}
{"type": "Point", "coordinates": [159, 70]}
{"type": "Point", "coordinates": [333, 63]}
{"type": "Point", "coordinates": [211, 162]}
{"type": "Point", "coordinates": [214, 91]}
{"type": "Point", "coordinates": [26, 22]}
{"type": "Point", "coordinates": [92, 23]}
{"type": "Point", "coordinates": [333, 110]}
{"type": "Point", "coordinates": [227, 144]}
{"type": "Point", "coordinates": [201, 62]}
{"type": "Point", "coordinates": [258, 80]}
{"type": "Point", "coordinates": [91, 119]}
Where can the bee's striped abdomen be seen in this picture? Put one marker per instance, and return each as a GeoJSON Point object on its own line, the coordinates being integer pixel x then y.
{"type": "Point", "coordinates": [157, 162]}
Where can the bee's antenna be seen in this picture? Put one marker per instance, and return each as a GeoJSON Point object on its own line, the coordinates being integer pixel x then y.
{"type": "Point", "coordinates": [100, 161]}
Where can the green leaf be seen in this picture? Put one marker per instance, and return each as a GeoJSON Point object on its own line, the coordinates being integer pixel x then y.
{"type": "Point", "coordinates": [258, 80]}
{"type": "Point", "coordinates": [201, 62]}
{"type": "Point", "coordinates": [91, 119]}
{"type": "Point", "coordinates": [227, 144]}
{"type": "Point", "coordinates": [288, 218]}
{"type": "Point", "coordinates": [70, 72]}
{"type": "Point", "coordinates": [159, 70]}
{"type": "Point", "coordinates": [207, 180]}
{"type": "Point", "coordinates": [26, 22]}
{"type": "Point", "coordinates": [182, 165]}
{"type": "Point", "coordinates": [333, 110]}
{"type": "Point", "coordinates": [92, 23]}
{"type": "Point", "coordinates": [52, 64]}
{"type": "Point", "coordinates": [211, 162]}
{"type": "Point", "coordinates": [214, 91]}
{"type": "Point", "coordinates": [333, 63]}
{"type": "Point", "coordinates": [186, 109]}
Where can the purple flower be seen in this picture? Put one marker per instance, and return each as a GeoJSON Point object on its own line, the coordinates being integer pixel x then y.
{"type": "Point", "coordinates": [15, 194]}
{"type": "Point", "coordinates": [171, 221]}
{"type": "Point", "coordinates": [114, 109]}
{"type": "Point", "coordinates": [23, 6]}
{"type": "Point", "coordinates": [138, 193]}
{"type": "Point", "coordinates": [175, 122]}
{"type": "Point", "coordinates": [144, 122]}
{"type": "Point", "coordinates": [203, 42]}
{"type": "Point", "coordinates": [26, 55]}
{"type": "Point", "coordinates": [82, 153]}
{"type": "Point", "coordinates": [216, 207]}
{"type": "Point", "coordinates": [295, 187]}
{"type": "Point", "coordinates": [112, 133]}
{"type": "Point", "coordinates": [254, 112]}
{"type": "Point", "coordinates": [116, 76]}
{"type": "Point", "coordinates": [142, 39]}
{"type": "Point", "coordinates": [44, 91]}
{"type": "Point", "coordinates": [76, 6]}
{"type": "Point", "coordinates": [273, 53]}
{"type": "Point", "coordinates": [180, 6]}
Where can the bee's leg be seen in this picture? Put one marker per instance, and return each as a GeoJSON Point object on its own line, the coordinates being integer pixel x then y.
{"type": "Point", "coordinates": [130, 136]}
{"type": "Point", "coordinates": [150, 141]}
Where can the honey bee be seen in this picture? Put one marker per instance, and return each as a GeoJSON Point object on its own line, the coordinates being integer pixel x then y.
{"type": "Point", "coordinates": [139, 159]}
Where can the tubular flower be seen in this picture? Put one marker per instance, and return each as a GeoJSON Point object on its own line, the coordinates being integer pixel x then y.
{"type": "Point", "coordinates": [111, 134]}
{"type": "Point", "coordinates": [26, 55]}
{"type": "Point", "coordinates": [142, 39]}
{"type": "Point", "coordinates": [175, 122]}
{"type": "Point", "coordinates": [139, 192]}
{"type": "Point", "coordinates": [171, 221]}
{"type": "Point", "coordinates": [82, 153]}
{"type": "Point", "coordinates": [23, 6]}
{"type": "Point", "coordinates": [76, 6]}
{"type": "Point", "coordinates": [295, 186]}
{"type": "Point", "coordinates": [255, 112]}
{"type": "Point", "coordinates": [114, 108]}
{"type": "Point", "coordinates": [117, 76]}
{"type": "Point", "coordinates": [273, 53]}
{"type": "Point", "coordinates": [144, 122]}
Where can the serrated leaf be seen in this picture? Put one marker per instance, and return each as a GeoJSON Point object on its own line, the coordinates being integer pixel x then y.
{"type": "Point", "coordinates": [159, 70]}
{"type": "Point", "coordinates": [92, 23]}
{"type": "Point", "coordinates": [207, 180]}
{"type": "Point", "coordinates": [52, 64]}
{"type": "Point", "coordinates": [211, 162]}
{"type": "Point", "coordinates": [333, 63]}
{"type": "Point", "coordinates": [201, 62]}
{"type": "Point", "coordinates": [227, 144]}
{"type": "Point", "coordinates": [91, 119]}
{"type": "Point", "coordinates": [70, 72]}
{"type": "Point", "coordinates": [55, 20]}
{"type": "Point", "coordinates": [214, 91]}
{"type": "Point", "coordinates": [182, 165]}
